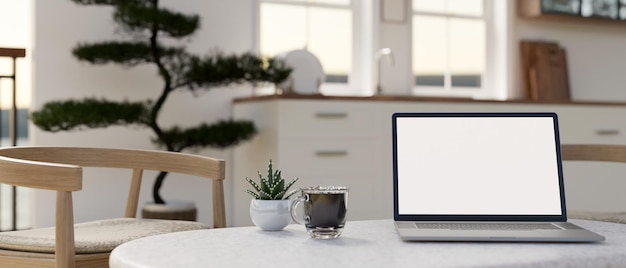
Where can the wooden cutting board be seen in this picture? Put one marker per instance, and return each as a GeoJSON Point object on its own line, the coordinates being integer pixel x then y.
{"type": "Point", "coordinates": [545, 71]}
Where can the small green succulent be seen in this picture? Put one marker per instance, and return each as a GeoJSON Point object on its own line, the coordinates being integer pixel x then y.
{"type": "Point", "coordinates": [271, 188]}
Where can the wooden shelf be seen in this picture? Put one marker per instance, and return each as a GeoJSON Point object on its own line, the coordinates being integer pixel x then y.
{"type": "Point", "coordinates": [12, 52]}
{"type": "Point", "coordinates": [533, 9]}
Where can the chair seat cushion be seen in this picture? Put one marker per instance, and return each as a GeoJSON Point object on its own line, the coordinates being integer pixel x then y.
{"type": "Point", "coordinates": [96, 236]}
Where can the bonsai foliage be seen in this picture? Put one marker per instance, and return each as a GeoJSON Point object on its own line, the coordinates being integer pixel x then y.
{"type": "Point", "coordinates": [144, 24]}
{"type": "Point", "coordinates": [272, 187]}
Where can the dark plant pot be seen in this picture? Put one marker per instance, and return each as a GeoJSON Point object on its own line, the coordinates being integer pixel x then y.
{"type": "Point", "coordinates": [172, 210]}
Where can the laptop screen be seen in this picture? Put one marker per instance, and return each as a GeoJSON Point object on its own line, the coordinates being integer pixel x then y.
{"type": "Point", "coordinates": [477, 166]}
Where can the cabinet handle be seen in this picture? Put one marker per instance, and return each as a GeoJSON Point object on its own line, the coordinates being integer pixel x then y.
{"type": "Point", "coordinates": [331, 115]}
{"type": "Point", "coordinates": [607, 131]}
{"type": "Point", "coordinates": [331, 153]}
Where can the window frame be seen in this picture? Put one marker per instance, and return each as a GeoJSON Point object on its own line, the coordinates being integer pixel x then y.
{"type": "Point", "coordinates": [447, 90]}
{"type": "Point", "coordinates": [354, 76]}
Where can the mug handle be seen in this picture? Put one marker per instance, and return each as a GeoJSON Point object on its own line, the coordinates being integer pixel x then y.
{"type": "Point", "coordinates": [294, 204]}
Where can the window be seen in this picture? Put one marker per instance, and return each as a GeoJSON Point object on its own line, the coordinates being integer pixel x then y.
{"type": "Point", "coordinates": [324, 27]}
{"type": "Point", "coordinates": [449, 46]}
{"type": "Point", "coordinates": [440, 49]}
{"type": "Point", "coordinates": [16, 18]}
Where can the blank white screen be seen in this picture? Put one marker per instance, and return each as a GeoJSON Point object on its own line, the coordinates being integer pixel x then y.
{"type": "Point", "coordinates": [477, 166]}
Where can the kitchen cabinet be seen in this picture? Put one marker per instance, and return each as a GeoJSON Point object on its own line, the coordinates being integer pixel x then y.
{"type": "Point", "coordinates": [346, 141]}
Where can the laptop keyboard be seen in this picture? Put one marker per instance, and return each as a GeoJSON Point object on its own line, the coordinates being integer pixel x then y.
{"type": "Point", "coordinates": [487, 226]}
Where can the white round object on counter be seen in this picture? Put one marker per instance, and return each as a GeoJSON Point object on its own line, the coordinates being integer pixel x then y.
{"type": "Point", "coordinates": [307, 74]}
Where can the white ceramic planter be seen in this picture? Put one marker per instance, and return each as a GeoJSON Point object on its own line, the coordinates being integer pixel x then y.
{"type": "Point", "coordinates": [270, 215]}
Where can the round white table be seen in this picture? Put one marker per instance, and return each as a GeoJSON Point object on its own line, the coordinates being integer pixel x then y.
{"type": "Point", "coordinates": [363, 244]}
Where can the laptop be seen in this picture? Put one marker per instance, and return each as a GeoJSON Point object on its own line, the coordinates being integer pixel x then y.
{"type": "Point", "coordinates": [480, 177]}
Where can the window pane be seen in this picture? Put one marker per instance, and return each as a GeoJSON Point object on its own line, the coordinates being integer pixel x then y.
{"type": "Point", "coordinates": [466, 7]}
{"type": "Point", "coordinates": [331, 39]}
{"type": "Point", "coordinates": [450, 7]}
{"type": "Point", "coordinates": [282, 28]}
{"type": "Point", "coordinates": [429, 50]}
{"type": "Point", "coordinates": [325, 32]}
{"type": "Point", "coordinates": [333, 2]}
{"type": "Point", "coordinates": [466, 81]}
{"type": "Point", "coordinates": [434, 6]}
{"type": "Point", "coordinates": [467, 49]}
{"type": "Point", "coordinates": [429, 80]}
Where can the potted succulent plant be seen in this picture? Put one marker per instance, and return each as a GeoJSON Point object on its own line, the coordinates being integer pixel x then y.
{"type": "Point", "coordinates": [269, 210]}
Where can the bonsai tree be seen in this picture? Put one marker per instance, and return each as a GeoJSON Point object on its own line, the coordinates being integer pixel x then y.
{"type": "Point", "coordinates": [145, 25]}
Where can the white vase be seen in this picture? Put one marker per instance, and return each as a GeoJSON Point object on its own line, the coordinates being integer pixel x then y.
{"type": "Point", "coordinates": [270, 215]}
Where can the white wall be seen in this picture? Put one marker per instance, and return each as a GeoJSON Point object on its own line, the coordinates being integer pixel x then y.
{"type": "Point", "coordinates": [59, 26]}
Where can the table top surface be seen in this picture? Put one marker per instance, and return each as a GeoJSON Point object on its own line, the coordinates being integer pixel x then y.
{"type": "Point", "coordinates": [363, 244]}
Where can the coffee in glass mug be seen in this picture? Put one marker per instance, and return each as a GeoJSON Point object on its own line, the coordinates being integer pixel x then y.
{"type": "Point", "coordinates": [325, 210]}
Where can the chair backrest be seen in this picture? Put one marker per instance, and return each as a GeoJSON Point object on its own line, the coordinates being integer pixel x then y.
{"type": "Point", "coordinates": [60, 169]}
{"type": "Point", "coordinates": [599, 153]}
{"type": "Point", "coordinates": [593, 152]}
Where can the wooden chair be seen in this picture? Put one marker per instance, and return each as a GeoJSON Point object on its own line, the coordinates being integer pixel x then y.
{"type": "Point", "coordinates": [87, 244]}
{"type": "Point", "coordinates": [598, 153]}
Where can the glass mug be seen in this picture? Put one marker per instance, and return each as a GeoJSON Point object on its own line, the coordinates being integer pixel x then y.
{"type": "Point", "coordinates": [325, 210]}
